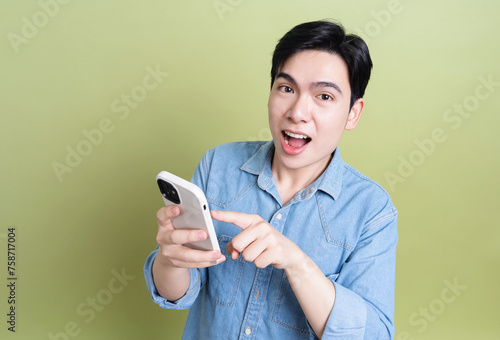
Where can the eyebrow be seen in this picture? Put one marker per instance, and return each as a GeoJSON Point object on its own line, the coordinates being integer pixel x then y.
{"type": "Point", "coordinates": [316, 84]}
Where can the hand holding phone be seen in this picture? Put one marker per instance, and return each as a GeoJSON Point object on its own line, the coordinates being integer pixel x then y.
{"type": "Point", "coordinates": [170, 270]}
{"type": "Point", "coordinates": [194, 212]}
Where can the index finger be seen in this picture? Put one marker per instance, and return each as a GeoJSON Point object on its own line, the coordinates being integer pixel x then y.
{"type": "Point", "coordinates": [239, 219]}
{"type": "Point", "coordinates": [166, 214]}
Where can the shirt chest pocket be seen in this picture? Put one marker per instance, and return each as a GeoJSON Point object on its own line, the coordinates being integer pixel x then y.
{"type": "Point", "coordinates": [287, 310]}
{"type": "Point", "coordinates": [224, 279]}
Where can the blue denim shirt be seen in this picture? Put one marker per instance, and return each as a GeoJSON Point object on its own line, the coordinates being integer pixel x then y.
{"type": "Point", "coordinates": [345, 222]}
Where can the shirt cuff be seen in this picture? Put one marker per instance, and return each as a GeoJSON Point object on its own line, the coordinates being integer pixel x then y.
{"type": "Point", "coordinates": [184, 302]}
{"type": "Point", "coordinates": [347, 320]}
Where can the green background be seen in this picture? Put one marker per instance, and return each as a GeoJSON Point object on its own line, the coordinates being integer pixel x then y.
{"type": "Point", "coordinates": [97, 217]}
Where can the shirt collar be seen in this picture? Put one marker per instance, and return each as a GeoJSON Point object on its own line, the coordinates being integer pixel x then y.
{"type": "Point", "coordinates": [329, 182]}
{"type": "Point", "coordinates": [260, 164]}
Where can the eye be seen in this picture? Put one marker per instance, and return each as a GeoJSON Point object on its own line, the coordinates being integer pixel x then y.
{"type": "Point", "coordinates": [285, 88]}
{"type": "Point", "coordinates": [325, 97]}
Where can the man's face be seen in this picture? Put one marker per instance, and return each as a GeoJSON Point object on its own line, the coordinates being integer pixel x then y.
{"type": "Point", "coordinates": [309, 109]}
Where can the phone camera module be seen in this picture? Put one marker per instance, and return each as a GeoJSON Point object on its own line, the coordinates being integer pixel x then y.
{"type": "Point", "coordinates": [168, 191]}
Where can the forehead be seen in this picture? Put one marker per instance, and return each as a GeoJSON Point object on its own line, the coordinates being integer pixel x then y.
{"type": "Point", "coordinates": [313, 66]}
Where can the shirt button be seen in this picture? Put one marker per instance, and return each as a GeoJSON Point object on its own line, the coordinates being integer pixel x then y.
{"type": "Point", "coordinates": [278, 217]}
{"type": "Point", "coordinates": [248, 331]}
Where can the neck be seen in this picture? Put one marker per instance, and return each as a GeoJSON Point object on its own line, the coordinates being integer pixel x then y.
{"type": "Point", "coordinates": [291, 181]}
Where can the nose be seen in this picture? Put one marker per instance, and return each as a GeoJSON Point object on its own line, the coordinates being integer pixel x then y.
{"type": "Point", "coordinates": [300, 110]}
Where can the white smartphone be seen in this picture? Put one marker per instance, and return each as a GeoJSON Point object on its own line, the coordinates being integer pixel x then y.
{"type": "Point", "coordinates": [194, 208]}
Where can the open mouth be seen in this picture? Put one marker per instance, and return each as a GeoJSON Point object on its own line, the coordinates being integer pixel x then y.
{"type": "Point", "coordinates": [295, 140]}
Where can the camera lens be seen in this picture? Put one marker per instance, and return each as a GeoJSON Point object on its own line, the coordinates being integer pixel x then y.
{"type": "Point", "coordinates": [168, 191]}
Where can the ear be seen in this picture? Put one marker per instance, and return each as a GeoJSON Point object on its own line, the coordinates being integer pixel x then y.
{"type": "Point", "coordinates": [355, 114]}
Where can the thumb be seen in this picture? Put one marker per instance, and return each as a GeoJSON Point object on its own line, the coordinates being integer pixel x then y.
{"type": "Point", "coordinates": [230, 250]}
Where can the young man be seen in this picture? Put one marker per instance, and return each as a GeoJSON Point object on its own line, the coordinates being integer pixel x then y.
{"type": "Point", "coordinates": [307, 243]}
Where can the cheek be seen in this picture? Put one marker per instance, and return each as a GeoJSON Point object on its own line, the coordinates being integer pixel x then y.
{"type": "Point", "coordinates": [273, 108]}
{"type": "Point", "coordinates": [273, 126]}
{"type": "Point", "coordinates": [272, 104]}
{"type": "Point", "coordinates": [331, 129]}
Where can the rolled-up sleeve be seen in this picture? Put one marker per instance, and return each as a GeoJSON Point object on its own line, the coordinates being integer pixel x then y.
{"type": "Point", "coordinates": [364, 300]}
{"type": "Point", "coordinates": [184, 302]}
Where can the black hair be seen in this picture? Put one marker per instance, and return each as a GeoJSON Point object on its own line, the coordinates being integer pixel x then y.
{"type": "Point", "coordinates": [328, 37]}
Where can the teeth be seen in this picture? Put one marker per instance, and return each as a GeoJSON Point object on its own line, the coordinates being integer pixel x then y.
{"type": "Point", "coordinates": [295, 135]}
